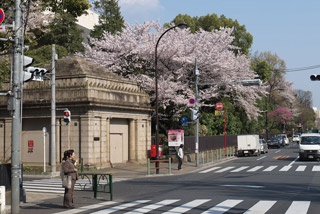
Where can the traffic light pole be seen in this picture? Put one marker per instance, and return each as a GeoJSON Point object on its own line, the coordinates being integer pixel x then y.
{"type": "Point", "coordinates": [53, 160]}
{"type": "Point", "coordinates": [16, 115]}
{"type": "Point", "coordinates": [196, 73]}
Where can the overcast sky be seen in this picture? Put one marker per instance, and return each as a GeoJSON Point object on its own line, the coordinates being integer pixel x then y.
{"type": "Point", "coordinates": [289, 28]}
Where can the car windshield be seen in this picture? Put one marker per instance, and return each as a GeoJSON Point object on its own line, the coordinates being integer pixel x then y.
{"type": "Point", "coordinates": [296, 136]}
{"type": "Point", "coordinates": [310, 140]}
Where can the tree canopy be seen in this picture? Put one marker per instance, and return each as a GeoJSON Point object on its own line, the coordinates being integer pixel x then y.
{"type": "Point", "coordinates": [243, 39]}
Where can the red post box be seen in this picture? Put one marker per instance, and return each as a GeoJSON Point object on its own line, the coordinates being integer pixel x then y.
{"type": "Point", "coordinates": [153, 153]}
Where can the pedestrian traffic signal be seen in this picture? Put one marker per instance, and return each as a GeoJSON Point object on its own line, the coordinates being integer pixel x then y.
{"type": "Point", "coordinates": [315, 77]}
{"type": "Point", "coordinates": [67, 116]}
{"type": "Point", "coordinates": [27, 61]}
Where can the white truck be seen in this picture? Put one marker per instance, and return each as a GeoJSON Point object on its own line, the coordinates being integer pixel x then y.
{"type": "Point", "coordinates": [248, 145]}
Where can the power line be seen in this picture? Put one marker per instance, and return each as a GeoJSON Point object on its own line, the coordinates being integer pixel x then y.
{"type": "Point", "coordinates": [302, 68]}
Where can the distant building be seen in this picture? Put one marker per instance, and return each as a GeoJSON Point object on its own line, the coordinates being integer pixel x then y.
{"type": "Point", "coordinates": [317, 121]}
{"type": "Point", "coordinates": [110, 117]}
{"type": "Point", "coordinates": [87, 23]}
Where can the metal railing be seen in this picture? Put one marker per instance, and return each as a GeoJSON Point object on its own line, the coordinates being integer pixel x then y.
{"type": "Point", "coordinates": [159, 161]}
{"type": "Point", "coordinates": [95, 179]}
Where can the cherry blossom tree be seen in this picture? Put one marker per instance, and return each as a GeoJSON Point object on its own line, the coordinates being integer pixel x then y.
{"type": "Point", "coordinates": [131, 54]}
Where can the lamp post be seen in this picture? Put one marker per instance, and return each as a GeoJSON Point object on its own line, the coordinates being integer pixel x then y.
{"type": "Point", "coordinates": [180, 25]}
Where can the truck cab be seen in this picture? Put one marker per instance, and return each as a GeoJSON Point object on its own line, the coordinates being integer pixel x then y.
{"type": "Point", "coordinates": [309, 146]}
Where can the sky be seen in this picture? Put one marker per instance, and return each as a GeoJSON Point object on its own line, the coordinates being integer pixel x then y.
{"type": "Point", "coordinates": [288, 28]}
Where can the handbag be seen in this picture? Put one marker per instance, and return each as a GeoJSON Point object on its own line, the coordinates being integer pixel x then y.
{"type": "Point", "coordinates": [66, 181]}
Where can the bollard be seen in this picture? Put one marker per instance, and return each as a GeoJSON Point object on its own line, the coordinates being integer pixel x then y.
{"type": "Point", "coordinates": [110, 187]}
{"type": "Point", "coordinates": [148, 167]}
{"type": "Point", "coordinates": [202, 154]}
{"type": "Point", "coordinates": [217, 154]}
{"type": "Point", "coordinates": [169, 166]}
{"type": "Point", "coordinates": [220, 154]}
{"type": "Point", "coordinates": [81, 164]}
{"type": "Point", "coordinates": [2, 199]}
{"type": "Point", "coordinates": [211, 155]}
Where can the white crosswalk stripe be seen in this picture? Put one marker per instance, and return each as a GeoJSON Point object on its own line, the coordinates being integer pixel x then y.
{"type": "Point", "coordinates": [270, 168]}
{"type": "Point", "coordinates": [205, 206]}
{"type": "Point", "coordinates": [261, 207]}
{"type": "Point", "coordinates": [186, 207]}
{"type": "Point", "coordinates": [151, 207]}
{"type": "Point", "coordinates": [300, 207]}
{"type": "Point", "coordinates": [224, 169]}
{"type": "Point", "coordinates": [54, 185]}
{"type": "Point", "coordinates": [255, 169]}
{"type": "Point", "coordinates": [242, 169]}
{"type": "Point", "coordinates": [223, 206]}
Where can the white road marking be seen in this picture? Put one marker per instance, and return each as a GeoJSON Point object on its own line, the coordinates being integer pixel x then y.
{"type": "Point", "coordinates": [300, 207]}
{"type": "Point", "coordinates": [223, 207]}
{"type": "Point", "coordinates": [188, 206]}
{"type": "Point", "coordinates": [270, 168]}
{"type": "Point", "coordinates": [86, 208]}
{"type": "Point", "coordinates": [261, 158]}
{"type": "Point", "coordinates": [151, 207]}
{"type": "Point", "coordinates": [120, 207]}
{"type": "Point", "coordinates": [246, 186]}
{"type": "Point", "coordinates": [278, 151]}
{"type": "Point", "coordinates": [261, 207]}
{"type": "Point", "coordinates": [316, 168]}
{"type": "Point", "coordinates": [211, 169]}
{"type": "Point", "coordinates": [301, 168]}
{"type": "Point", "coordinates": [255, 169]}
{"type": "Point", "coordinates": [224, 169]}
{"type": "Point", "coordinates": [240, 169]}
{"type": "Point", "coordinates": [285, 168]}
{"type": "Point", "coordinates": [293, 161]}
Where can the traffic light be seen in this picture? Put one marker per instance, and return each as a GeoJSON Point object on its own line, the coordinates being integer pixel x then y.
{"type": "Point", "coordinates": [27, 61]}
{"type": "Point", "coordinates": [30, 72]}
{"type": "Point", "coordinates": [37, 73]}
{"type": "Point", "coordinates": [67, 116]}
{"type": "Point", "coordinates": [315, 77]}
{"type": "Point", "coordinates": [194, 114]}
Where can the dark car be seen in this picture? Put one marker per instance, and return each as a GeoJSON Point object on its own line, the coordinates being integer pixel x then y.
{"type": "Point", "coordinates": [273, 143]}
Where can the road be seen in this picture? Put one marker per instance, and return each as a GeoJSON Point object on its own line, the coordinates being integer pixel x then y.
{"type": "Point", "coordinates": [276, 182]}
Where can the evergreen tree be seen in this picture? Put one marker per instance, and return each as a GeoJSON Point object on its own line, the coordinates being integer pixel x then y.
{"type": "Point", "coordinates": [110, 19]}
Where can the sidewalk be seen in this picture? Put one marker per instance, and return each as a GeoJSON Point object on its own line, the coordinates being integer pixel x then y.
{"type": "Point", "coordinates": [51, 203]}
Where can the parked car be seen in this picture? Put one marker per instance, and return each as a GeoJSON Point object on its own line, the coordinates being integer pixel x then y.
{"type": "Point", "coordinates": [309, 147]}
{"type": "Point", "coordinates": [296, 138]}
{"type": "Point", "coordinates": [273, 143]}
{"type": "Point", "coordinates": [264, 146]}
{"type": "Point", "coordinates": [281, 140]}
{"type": "Point", "coordinates": [284, 139]}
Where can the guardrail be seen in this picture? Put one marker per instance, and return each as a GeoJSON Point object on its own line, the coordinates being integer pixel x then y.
{"type": "Point", "coordinates": [159, 161]}
{"type": "Point", "coordinates": [217, 154]}
{"type": "Point", "coordinates": [94, 180]}
{"type": "Point", "coordinates": [2, 199]}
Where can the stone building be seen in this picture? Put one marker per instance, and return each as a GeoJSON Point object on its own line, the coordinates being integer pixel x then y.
{"type": "Point", "coordinates": [110, 117]}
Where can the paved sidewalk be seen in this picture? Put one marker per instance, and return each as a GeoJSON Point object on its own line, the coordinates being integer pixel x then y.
{"type": "Point", "coordinates": [50, 203]}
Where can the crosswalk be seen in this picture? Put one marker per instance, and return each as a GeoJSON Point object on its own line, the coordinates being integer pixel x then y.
{"type": "Point", "coordinates": [205, 206]}
{"type": "Point", "coordinates": [300, 168]}
{"type": "Point", "coordinates": [54, 185]}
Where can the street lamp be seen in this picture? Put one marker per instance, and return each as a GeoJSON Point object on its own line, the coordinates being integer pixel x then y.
{"type": "Point", "coordinates": [180, 25]}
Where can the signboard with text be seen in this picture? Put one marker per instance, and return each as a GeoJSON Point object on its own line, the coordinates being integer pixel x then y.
{"type": "Point", "coordinates": [175, 137]}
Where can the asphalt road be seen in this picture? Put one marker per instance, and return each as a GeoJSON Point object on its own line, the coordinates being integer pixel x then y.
{"type": "Point", "coordinates": [276, 182]}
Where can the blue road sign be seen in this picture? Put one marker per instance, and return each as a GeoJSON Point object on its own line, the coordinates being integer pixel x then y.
{"type": "Point", "coordinates": [184, 120]}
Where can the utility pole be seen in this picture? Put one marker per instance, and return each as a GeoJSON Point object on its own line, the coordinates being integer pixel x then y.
{"type": "Point", "coordinates": [16, 115]}
{"type": "Point", "coordinates": [53, 111]}
{"type": "Point", "coordinates": [196, 73]}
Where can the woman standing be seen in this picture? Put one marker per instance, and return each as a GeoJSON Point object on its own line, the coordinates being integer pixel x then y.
{"type": "Point", "coordinates": [69, 169]}
{"type": "Point", "coordinates": [180, 156]}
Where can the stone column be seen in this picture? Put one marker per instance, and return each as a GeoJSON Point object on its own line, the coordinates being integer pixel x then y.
{"type": "Point", "coordinates": [132, 140]}
{"type": "Point", "coordinates": [108, 140]}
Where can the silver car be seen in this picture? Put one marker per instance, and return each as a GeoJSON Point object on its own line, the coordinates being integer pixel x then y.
{"type": "Point", "coordinates": [264, 146]}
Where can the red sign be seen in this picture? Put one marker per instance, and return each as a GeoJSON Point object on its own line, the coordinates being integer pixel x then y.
{"type": "Point", "coordinates": [30, 145]}
{"type": "Point", "coordinates": [1, 15]}
{"type": "Point", "coordinates": [219, 106]}
{"type": "Point", "coordinates": [192, 101]}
